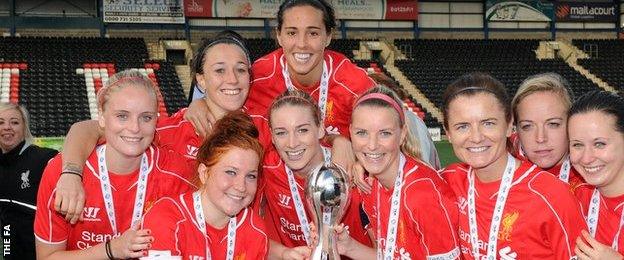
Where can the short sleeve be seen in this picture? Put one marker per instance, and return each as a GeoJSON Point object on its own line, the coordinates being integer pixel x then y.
{"type": "Point", "coordinates": [50, 226]}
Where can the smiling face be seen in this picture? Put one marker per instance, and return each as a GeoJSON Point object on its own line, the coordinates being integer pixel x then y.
{"type": "Point", "coordinates": [297, 138]}
{"type": "Point", "coordinates": [376, 137]}
{"type": "Point", "coordinates": [303, 37]}
{"type": "Point", "coordinates": [129, 121]}
{"type": "Point", "coordinates": [478, 131]}
{"type": "Point", "coordinates": [597, 151]}
{"type": "Point", "coordinates": [225, 78]}
{"type": "Point", "coordinates": [230, 185]}
{"type": "Point", "coordinates": [11, 129]}
{"type": "Point", "coordinates": [541, 126]}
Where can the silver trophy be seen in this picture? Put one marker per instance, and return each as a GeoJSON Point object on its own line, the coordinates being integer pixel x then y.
{"type": "Point", "coordinates": [327, 196]}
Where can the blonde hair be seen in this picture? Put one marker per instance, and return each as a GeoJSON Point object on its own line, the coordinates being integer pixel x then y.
{"type": "Point", "coordinates": [411, 145]}
{"type": "Point", "coordinates": [545, 82]}
{"type": "Point", "coordinates": [25, 118]}
{"type": "Point", "coordinates": [124, 79]}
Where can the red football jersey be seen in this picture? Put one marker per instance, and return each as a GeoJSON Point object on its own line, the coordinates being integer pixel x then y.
{"type": "Point", "coordinates": [177, 134]}
{"type": "Point", "coordinates": [347, 82]}
{"type": "Point", "coordinates": [175, 229]}
{"type": "Point", "coordinates": [281, 216]}
{"type": "Point", "coordinates": [427, 222]}
{"type": "Point", "coordinates": [574, 180]}
{"type": "Point", "coordinates": [541, 218]}
{"type": "Point", "coordinates": [609, 216]}
{"type": "Point", "coordinates": [169, 176]}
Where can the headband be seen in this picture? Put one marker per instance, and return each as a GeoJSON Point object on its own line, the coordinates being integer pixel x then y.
{"type": "Point", "coordinates": [385, 98]}
{"type": "Point", "coordinates": [230, 40]}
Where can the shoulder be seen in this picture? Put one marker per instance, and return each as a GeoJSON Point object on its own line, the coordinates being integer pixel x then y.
{"type": "Point", "coordinates": [272, 161]}
{"type": "Point", "coordinates": [550, 190]}
{"type": "Point", "coordinates": [163, 211]}
{"type": "Point", "coordinates": [348, 74]}
{"type": "Point", "coordinates": [583, 191]}
{"type": "Point", "coordinates": [454, 172]}
{"type": "Point", "coordinates": [266, 66]}
{"type": "Point", "coordinates": [42, 152]}
{"type": "Point", "coordinates": [253, 226]}
{"type": "Point", "coordinates": [424, 184]}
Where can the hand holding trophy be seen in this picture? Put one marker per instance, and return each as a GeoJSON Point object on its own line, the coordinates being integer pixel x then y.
{"type": "Point", "coordinates": [327, 196]}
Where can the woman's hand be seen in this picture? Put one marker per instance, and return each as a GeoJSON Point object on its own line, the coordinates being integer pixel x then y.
{"type": "Point", "coordinates": [589, 248]}
{"type": "Point", "coordinates": [69, 197]}
{"type": "Point", "coordinates": [360, 179]}
{"type": "Point", "coordinates": [296, 253]}
{"type": "Point", "coordinates": [200, 117]}
{"type": "Point", "coordinates": [132, 244]}
{"type": "Point", "coordinates": [344, 242]}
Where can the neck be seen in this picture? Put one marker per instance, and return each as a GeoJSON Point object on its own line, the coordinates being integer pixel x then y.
{"type": "Point", "coordinates": [310, 78]}
{"type": "Point", "coordinates": [213, 216]}
{"type": "Point", "coordinates": [316, 160]}
{"type": "Point", "coordinates": [215, 110]}
{"type": "Point", "coordinates": [388, 177]}
{"type": "Point", "coordinates": [494, 171]}
{"type": "Point", "coordinates": [120, 164]}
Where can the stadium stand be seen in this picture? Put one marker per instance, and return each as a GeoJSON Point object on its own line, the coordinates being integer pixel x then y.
{"type": "Point", "coordinates": [606, 60]}
{"type": "Point", "coordinates": [433, 64]}
{"type": "Point", "coordinates": [52, 73]}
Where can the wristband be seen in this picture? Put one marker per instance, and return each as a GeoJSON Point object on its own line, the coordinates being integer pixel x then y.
{"type": "Point", "coordinates": [72, 172]}
{"type": "Point", "coordinates": [109, 251]}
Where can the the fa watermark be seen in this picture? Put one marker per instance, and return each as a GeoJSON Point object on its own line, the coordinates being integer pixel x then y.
{"type": "Point", "coordinates": [6, 241]}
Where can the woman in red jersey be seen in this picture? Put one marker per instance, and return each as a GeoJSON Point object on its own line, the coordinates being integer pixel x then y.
{"type": "Point", "coordinates": [214, 222]}
{"type": "Point", "coordinates": [412, 211]}
{"type": "Point", "coordinates": [596, 131]}
{"type": "Point", "coordinates": [540, 109]}
{"type": "Point", "coordinates": [296, 129]}
{"type": "Point", "coordinates": [304, 30]}
{"type": "Point", "coordinates": [122, 178]}
{"type": "Point", "coordinates": [509, 209]}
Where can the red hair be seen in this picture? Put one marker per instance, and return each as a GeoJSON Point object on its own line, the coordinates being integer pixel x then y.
{"type": "Point", "coordinates": [235, 129]}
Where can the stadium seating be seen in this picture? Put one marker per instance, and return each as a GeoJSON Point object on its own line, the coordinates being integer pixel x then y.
{"type": "Point", "coordinates": [606, 60]}
{"type": "Point", "coordinates": [54, 75]}
{"type": "Point", "coordinates": [433, 64]}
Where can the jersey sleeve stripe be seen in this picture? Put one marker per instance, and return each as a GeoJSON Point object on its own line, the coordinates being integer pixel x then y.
{"type": "Point", "coordinates": [49, 242]}
{"type": "Point", "coordinates": [556, 215]}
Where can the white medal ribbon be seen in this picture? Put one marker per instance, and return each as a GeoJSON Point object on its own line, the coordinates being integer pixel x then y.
{"type": "Point", "coordinates": [564, 172]}
{"type": "Point", "coordinates": [323, 90]}
{"type": "Point", "coordinates": [393, 220]}
{"type": "Point", "coordinates": [592, 218]}
{"type": "Point", "coordinates": [501, 199]}
{"type": "Point", "coordinates": [107, 194]}
{"type": "Point", "coordinates": [298, 202]}
{"type": "Point", "coordinates": [201, 221]}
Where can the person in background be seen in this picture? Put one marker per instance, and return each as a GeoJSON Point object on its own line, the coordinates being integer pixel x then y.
{"type": "Point", "coordinates": [540, 109]}
{"type": "Point", "coordinates": [508, 208]}
{"type": "Point", "coordinates": [596, 132]}
{"type": "Point", "coordinates": [214, 221]}
{"type": "Point", "coordinates": [21, 167]}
